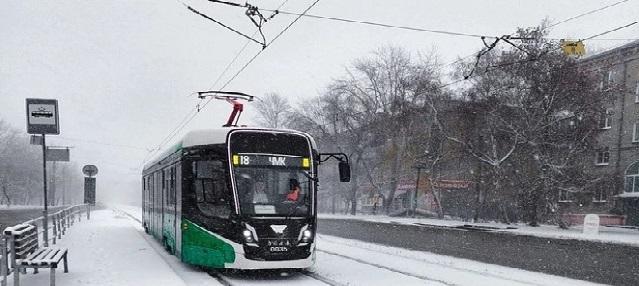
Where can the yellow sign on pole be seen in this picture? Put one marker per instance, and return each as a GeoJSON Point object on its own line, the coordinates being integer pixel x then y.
{"type": "Point", "coordinates": [573, 48]}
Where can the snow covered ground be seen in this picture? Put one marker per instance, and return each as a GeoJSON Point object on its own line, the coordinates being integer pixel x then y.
{"type": "Point", "coordinates": [112, 249]}
{"type": "Point", "coordinates": [606, 234]}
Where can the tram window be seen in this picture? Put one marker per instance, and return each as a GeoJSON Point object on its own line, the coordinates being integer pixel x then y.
{"type": "Point", "coordinates": [210, 187]}
{"type": "Point", "coordinates": [163, 178]}
{"type": "Point", "coordinates": [166, 176]}
{"type": "Point", "coordinates": [172, 189]}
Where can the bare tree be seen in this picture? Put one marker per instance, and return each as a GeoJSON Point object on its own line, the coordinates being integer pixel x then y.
{"type": "Point", "coordinates": [536, 114]}
{"type": "Point", "coordinates": [373, 114]}
{"type": "Point", "coordinates": [273, 110]}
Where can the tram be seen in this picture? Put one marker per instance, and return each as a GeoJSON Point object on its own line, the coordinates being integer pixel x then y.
{"type": "Point", "coordinates": [237, 197]}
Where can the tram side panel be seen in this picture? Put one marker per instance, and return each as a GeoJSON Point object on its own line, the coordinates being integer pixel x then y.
{"type": "Point", "coordinates": [205, 236]}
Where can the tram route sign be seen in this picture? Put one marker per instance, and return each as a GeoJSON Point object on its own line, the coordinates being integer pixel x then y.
{"type": "Point", "coordinates": [42, 116]}
{"type": "Point", "coordinates": [269, 160]}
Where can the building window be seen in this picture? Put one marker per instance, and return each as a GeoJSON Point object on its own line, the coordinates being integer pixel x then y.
{"type": "Point", "coordinates": [611, 77]}
{"type": "Point", "coordinates": [565, 196]}
{"type": "Point", "coordinates": [632, 178]}
{"type": "Point", "coordinates": [601, 196]}
{"type": "Point", "coordinates": [635, 132]}
{"type": "Point", "coordinates": [606, 119]}
{"type": "Point", "coordinates": [603, 157]}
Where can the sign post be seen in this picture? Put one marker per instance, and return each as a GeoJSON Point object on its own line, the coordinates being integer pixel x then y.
{"type": "Point", "coordinates": [42, 118]}
{"type": "Point", "coordinates": [89, 186]}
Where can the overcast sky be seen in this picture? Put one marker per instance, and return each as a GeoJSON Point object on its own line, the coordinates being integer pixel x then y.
{"type": "Point", "coordinates": [124, 71]}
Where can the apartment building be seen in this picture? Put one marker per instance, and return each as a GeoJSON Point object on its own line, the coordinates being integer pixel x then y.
{"type": "Point", "coordinates": [618, 152]}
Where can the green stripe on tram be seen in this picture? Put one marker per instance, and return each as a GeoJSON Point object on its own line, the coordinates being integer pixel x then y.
{"type": "Point", "coordinates": [201, 247]}
{"type": "Point", "coordinates": [169, 236]}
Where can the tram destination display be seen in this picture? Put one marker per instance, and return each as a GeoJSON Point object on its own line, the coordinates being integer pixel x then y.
{"type": "Point", "coordinates": [270, 160]}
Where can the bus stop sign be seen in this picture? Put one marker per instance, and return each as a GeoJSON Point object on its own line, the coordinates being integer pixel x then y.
{"type": "Point", "coordinates": [42, 116]}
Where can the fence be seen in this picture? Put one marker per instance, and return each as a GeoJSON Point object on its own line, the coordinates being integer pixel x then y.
{"type": "Point", "coordinates": [57, 222]}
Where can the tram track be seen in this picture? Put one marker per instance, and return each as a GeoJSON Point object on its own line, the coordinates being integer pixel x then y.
{"type": "Point", "coordinates": [421, 277]}
{"type": "Point", "coordinates": [331, 254]}
{"type": "Point", "coordinates": [268, 279]}
{"type": "Point", "coordinates": [323, 237]}
{"type": "Point", "coordinates": [324, 279]}
{"type": "Point", "coordinates": [230, 281]}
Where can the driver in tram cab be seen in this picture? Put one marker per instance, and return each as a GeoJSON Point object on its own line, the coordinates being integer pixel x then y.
{"type": "Point", "coordinates": [294, 190]}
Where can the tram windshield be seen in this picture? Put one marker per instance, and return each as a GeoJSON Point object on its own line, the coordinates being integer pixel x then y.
{"type": "Point", "coordinates": [267, 192]}
{"type": "Point", "coordinates": [272, 173]}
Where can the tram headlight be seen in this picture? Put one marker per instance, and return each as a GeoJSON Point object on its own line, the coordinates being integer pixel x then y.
{"type": "Point", "coordinates": [307, 235]}
{"type": "Point", "coordinates": [248, 236]}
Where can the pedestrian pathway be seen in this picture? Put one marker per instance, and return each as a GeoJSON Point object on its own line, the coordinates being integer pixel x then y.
{"type": "Point", "coordinates": [111, 249]}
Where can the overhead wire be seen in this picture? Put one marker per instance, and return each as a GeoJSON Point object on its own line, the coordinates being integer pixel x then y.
{"type": "Point", "coordinates": [590, 12]}
{"type": "Point", "coordinates": [191, 114]}
{"type": "Point", "coordinates": [221, 24]}
{"type": "Point", "coordinates": [371, 23]}
{"type": "Point", "coordinates": [260, 52]}
{"type": "Point", "coordinates": [198, 108]}
{"type": "Point", "coordinates": [499, 66]}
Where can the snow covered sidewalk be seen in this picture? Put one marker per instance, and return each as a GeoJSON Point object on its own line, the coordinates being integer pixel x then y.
{"type": "Point", "coordinates": [606, 234]}
{"type": "Point", "coordinates": [110, 249]}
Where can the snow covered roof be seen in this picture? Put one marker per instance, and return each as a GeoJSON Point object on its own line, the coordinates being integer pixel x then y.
{"type": "Point", "coordinates": [626, 47]}
{"type": "Point", "coordinates": [218, 136]}
{"type": "Point", "coordinates": [206, 136]}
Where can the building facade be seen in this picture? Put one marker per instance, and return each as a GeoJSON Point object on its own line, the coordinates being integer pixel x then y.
{"type": "Point", "coordinates": [618, 154]}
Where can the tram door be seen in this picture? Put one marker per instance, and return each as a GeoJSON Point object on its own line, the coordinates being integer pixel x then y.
{"type": "Point", "coordinates": [169, 207]}
{"type": "Point", "coordinates": [152, 203]}
{"type": "Point", "coordinates": [157, 201]}
{"type": "Point", "coordinates": [162, 202]}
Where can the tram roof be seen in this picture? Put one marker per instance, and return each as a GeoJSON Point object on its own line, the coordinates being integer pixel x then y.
{"type": "Point", "coordinates": [214, 136]}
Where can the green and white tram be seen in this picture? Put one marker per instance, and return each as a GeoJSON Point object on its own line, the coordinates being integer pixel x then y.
{"type": "Point", "coordinates": [234, 197]}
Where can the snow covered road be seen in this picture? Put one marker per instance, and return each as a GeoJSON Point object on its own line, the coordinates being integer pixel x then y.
{"type": "Point", "coordinates": [112, 249]}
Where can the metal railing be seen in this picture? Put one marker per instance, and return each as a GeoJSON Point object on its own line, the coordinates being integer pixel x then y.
{"type": "Point", "coordinates": [58, 223]}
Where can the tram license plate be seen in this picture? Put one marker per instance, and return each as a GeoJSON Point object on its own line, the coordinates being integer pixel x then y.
{"type": "Point", "coordinates": [278, 245]}
{"type": "Point", "coordinates": [278, 249]}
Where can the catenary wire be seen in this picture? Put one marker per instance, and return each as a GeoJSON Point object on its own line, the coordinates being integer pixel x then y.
{"type": "Point", "coordinates": [559, 23]}
{"type": "Point", "coordinates": [199, 108]}
{"type": "Point", "coordinates": [196, 109]}
{"type": "Point", "coordinates": [186, 121]}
